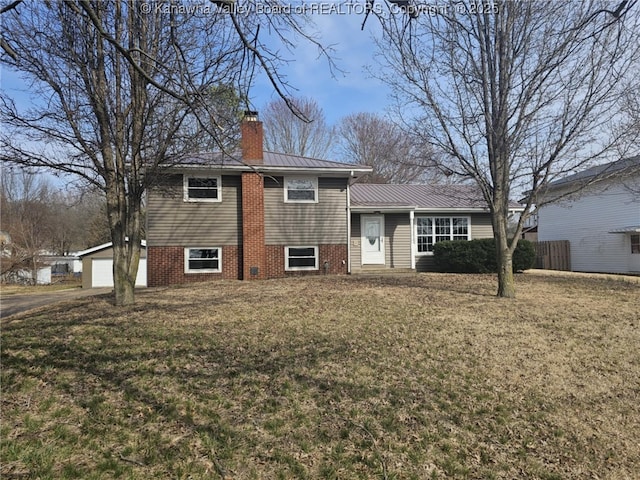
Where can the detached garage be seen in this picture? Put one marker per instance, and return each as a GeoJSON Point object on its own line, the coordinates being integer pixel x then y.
{"type": "Point", "coordinates": [97, 266]}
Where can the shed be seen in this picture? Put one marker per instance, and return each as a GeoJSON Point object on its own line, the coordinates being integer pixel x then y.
{"type": "Point", "coordinates": [97, 266]}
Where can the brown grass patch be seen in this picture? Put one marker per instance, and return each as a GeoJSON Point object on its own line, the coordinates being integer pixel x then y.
{"type": "Point", "coordinates": [427, 376]}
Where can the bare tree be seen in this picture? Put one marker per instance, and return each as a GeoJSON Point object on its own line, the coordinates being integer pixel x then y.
{"type": "Point", "coordinates": [514, 94]}
{"type": "Point", "coordinates": [395, 155]}
{"type": "Point", "coordinates": [302, 131]}
{"type": "Point", "coordinates": [124, 88]}
{"type": "Point", "coordinates": [28, 218]}
{"type": "Point", "coordinates": [79, 220]}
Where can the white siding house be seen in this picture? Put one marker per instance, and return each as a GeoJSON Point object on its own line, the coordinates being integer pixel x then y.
{"type": "Point", "coordinates": [601, 221]}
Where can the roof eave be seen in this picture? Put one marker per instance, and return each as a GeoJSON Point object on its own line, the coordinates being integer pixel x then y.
{"type": "Point", "coordinates": [346, 172]}
{"type": "Point", "coordinates": [104, 246]}
{"type": "Point", "coordinates": [417, 209]}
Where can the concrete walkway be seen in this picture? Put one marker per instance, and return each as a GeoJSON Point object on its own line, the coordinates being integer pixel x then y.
{"type": "Point", "coordinates": [13, 304]}
{"type": "Point", "coordinates": [560, 273]}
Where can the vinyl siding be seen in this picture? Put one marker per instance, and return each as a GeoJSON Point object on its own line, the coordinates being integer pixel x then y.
{"type": "Point", "coordinates": [324, 222]}
{"type": "Point", "coordinates": [397, 241]}
{"type": "Point", "coordinates": [172, 221]}
{"type": "Point", "coordinates": [481, 225]}
{"type": "Point", "coordinates": [586, 222]}
{"type": "Point", "coordinates": [397, 236]}
{"type": "Point", "coordinates": [356, 253]}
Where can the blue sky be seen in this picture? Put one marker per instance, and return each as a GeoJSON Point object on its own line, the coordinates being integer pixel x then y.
{"type": "Point", "coordinates": [349, 91]}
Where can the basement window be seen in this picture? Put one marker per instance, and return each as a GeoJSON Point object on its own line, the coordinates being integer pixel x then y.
{"type": "Point", "coordinates": [202, 260]}
{"type": "Point", "coordinates": [301, 258]}
{"type": "Point", "coordinates": [301, 190]}
{"type": "Point", "coordinates": [202, 189]}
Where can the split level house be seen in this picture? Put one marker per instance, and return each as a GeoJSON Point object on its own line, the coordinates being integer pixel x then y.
{"type": "Point", "coordinates": [265, 215]}
{"type": "Point", "coordinates": [598, 211]}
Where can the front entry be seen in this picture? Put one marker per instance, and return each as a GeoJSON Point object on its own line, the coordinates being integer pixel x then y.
{"type": "Point", "coordinates": [372, 241]}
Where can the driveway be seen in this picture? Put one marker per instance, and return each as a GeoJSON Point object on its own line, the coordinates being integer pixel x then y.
{"type": "Point", "coordinates": [12, 304]}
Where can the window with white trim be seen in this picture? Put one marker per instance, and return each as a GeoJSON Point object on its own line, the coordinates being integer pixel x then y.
{"type": "Point", "coordinates": [635, 243]}
{"type": "Point", "coordinates": [203, 260]}
{"type": "Point", "coordinates": [430, 230]}
{"type": "Point", "coordinates": [300, 258]}
{"type": "Point", "coordinates": [301, 190]}
{"type": "Point", "coordinates": [202, 189]}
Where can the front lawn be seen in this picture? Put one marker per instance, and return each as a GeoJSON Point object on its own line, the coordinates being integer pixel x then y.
{"type": "Point", "coordinates": [426, 376]}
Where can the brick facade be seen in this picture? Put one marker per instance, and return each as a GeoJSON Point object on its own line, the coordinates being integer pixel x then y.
{"type": "Point", "coordinates": [165, 266]}
{"type": "Point", "coordinates": [335, 255]}
{"type": "Point", "coordinates": [251, 141]}
{"type": "Point", "coordinates": [253, 248]}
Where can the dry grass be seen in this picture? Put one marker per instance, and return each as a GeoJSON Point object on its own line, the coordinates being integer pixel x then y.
{"type": "Point", "coordinates": [66, 282]}
{"type": "Point", "coordinates": [337, 377]}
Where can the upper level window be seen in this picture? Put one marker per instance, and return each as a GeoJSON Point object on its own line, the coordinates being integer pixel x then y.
{"type": "Point", "coordinates": [202, 189]}
{"type": "Point", "coordinates": [430, 230]}
{"type": "Point", "coordinates": [301, 189]}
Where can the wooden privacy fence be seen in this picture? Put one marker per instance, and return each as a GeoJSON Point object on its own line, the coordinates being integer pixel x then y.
{"type": "Point", "coordinates": [553, 255]}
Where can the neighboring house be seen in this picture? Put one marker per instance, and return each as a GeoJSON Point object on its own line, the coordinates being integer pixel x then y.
{"type": "Point", "coordinates": [97, 266]}
{"type": "Point", "coordinates": [530, 229]}
{"type": "Point", "coordinates": [64, 264]}
{"type": "Point", "coordinates": [20, 268]}
{"type": "Point", "coordinates": [24, 276]}
{"type": "Point", "coordinates": [599, 213]}
{"type": "Point", "coordinates": [272, 215]}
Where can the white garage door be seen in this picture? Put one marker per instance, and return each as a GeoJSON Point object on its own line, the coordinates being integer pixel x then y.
{"type": "Point", "coordinates": [102, 273]}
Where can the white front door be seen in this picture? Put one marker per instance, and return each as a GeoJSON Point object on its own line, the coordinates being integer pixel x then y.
{"type": "Point", "coordinates": [372, 240]}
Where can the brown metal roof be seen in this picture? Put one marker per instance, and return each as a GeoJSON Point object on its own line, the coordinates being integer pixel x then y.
{"type": "Point", "coordinates": [272, 160]}
{"type": "Point", "coordinates": [417, 196]}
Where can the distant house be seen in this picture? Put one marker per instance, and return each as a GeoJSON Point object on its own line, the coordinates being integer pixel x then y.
{"type": "Point", "coordinates": [25, 276]}
{"type": "Point", "coordinates": [601, 219]}
{"type": "Point", "coordinates": [21, 267]}
{"type": "Point", "coordinates": [260, 215]}
{"type": "Point", "coordinates": [64, 264]}
{"type": "Point", "coordinates": [97, 266]}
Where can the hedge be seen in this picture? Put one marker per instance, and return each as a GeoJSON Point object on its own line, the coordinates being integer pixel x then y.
{"type": "Point", "coordinates": [479, 256]}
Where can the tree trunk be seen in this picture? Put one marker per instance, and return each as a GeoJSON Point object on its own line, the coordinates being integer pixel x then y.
{"type": "Point", "coordinates": [504, 256]}
{"type": "Point", "coordinates": [125, 272]}
{"type": "Point", "coordinates": [506, 284]}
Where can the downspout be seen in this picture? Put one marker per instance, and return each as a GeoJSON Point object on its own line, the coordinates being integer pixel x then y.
{"type": "Point", "coordinates": [413, 238]}
{"type": "Point", "coordinates": [349, 224]}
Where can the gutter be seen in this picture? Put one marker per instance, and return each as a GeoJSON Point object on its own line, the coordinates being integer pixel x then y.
{"type": "Point", "coordinates": [349, 226]}
{"type": "Point", "coordinates": [346, 172]}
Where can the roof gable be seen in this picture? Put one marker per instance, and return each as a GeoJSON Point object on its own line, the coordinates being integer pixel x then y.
{"type": "Point", "coordinates": [104, 246]}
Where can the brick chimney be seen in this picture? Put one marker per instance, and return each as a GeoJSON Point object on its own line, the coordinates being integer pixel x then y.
{"type": "Point", "coordinates": [252, 138]}
{"type": "Point", "coordinates": [253, 237]}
